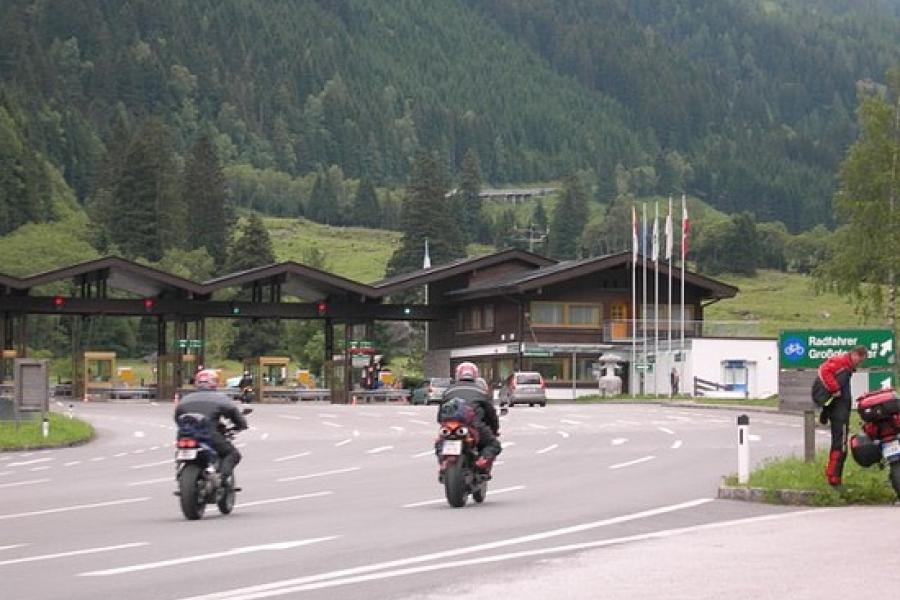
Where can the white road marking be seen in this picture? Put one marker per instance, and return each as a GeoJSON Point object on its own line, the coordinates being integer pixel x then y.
{"type": "Point", "coordinates": [419, 422]}
{"type": "Point", "coordinates": [331, 424]}
{"type": "Point", "coordinates": [241, 445]}
{"type": "Point", "coordinates": [25, 463]}
{"type": "Point", "coordinates": [320, 474]}
{"type": "Point", "coordinates": [754, 437]}
{"type": "Point", "coordinates": [26, 559]}
{"type": "Point", "coordinates": [563, 434]}
{"type": "Point", "coordinates": [152, 481]}
{"type": "Point", "coordinates": [571, 422]}
{"type": "Point", "coordinates": [73, 463]}
{"type": "Point", "coordinates": [292, 456]}
{"type": "Point", "coordinates": [368, 414]}
{"type": "Point", "coordinates": [285, 499]}
{"type": "Point", "coordinates": [154, 448]}
{"type": "Point", "coordinates": [491, 492]}
{"type": "Point", "coordinates": [379, 449]}
{"type": "Point", "coordinates": [120, 455]}
{"type": "Point", "coordinates": [11, 546]}
{"type": "Point", "coordinates": [138, 451]}
{"type": "Point", "coordinates": [356, 433]}
{"type": "Point", "coordinates": [426, 453]}
{"type": "Point", "coordinates": [293, 417]}
{"type": "Point", "coordinates": [49, 511]}
{"type": "Point", "coordinates": [343, 442]}
{"type": "Point", "coordinates": [98, 458]}
{"type": "Point", "coordinates": [139, 434]}
{"type": "Point", "coordinates": [619, 441]}
{"type": "Point", "coordinates": [328, 415]}
{"type": "Point", "coordinates": [536, 426]}
{"type": "Point", "coordinates": [547, 449]}
{"type": "Point", "coordinates": [398, 428]}
{"type": "Point", "coordinates": [4, 473]}
{"type": "Point", "coordinates": [637, 461]}
{"type": "Point", "coordinates": [284, 586]}
{"type": "Point", "coordinates": [153, 464]}
{"type": "Point", "coordinates": [508, 444]}
{"type": "Point", "coordinates": [39, 469]}
{"type": "Point", "coordinates": [407, 413]}
{"type": "Point", "coordinates": [676, 444]}
{"type": "Point", "coordinates": [201, 557]}
{"type": "Point", "coordinates": [264, 436]}
{"type": "Point", "coordinates": [334, 579]}
{"type": "Point", "coordinates": [21, 483]}
{"type": "Point", "coordinates": [666, 430]}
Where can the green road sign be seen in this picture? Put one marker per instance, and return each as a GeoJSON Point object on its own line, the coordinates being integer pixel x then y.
{"type": "Point", "coordinates": [537, 353]}
{"type": "Point", "coordinates": [808, 348]}
{"type": "Point", "coordinates": [643, 367]}
{"type": "Point", "coordinates": [880, 380]}
{"type": "Point", "coordinates": [189, 343]}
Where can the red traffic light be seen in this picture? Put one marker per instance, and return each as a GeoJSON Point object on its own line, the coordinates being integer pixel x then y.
{"type": "Point", "coordinates": [149, 303]}
{"type": "Point", "coordinates": [58, 302]}
{"type": "Point", "coordinates": [322, 308]}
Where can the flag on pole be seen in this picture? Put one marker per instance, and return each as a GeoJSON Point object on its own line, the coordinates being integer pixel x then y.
{"type": "Point", "coordinates": [669, 235]}
{"type": "Point", "coordinates": [634, 236]}
{"type": "Point", "coordinates": [426, 262]}
{"type": "Point", "coordinates": [655, 248]}
{"type": "Point", "coordinates": [685, 228]}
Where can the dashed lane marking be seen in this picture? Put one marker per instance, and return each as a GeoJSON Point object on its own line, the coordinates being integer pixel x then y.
{"type": "Point", "coordinates": [666, 430]}
{"type": "Point", "coordinates": [26, 559]}
{"type": "Point", "coordinates": [21, 483]}
{"type": "Point", "coordinates": [319, 474]}
{"type": "Point", "coordinates": [549, 448]}
{"type": "Point", "coordinates": [491, 492]}
{"type": "Point", "coordinates": [379, 449]}
{"type": "Point", "coordinates": [343, 442]}
{"type": "Point", "coordinates": [637, 461]}
{"type": "Point", "coordinates": [50, 511]}
{"type": "Point", "coordinates": [676, 444]}
{"type": "Point", "coordinates": [292, 456]}
{"type": "Point", "coordinates": [285, 499]}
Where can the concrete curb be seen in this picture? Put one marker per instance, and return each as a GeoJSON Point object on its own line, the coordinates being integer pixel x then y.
{"type": "Point", "coordinates": [766, 496]}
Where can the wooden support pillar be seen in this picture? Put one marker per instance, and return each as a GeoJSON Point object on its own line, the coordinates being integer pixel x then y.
{"type": "Point", "coordinates": [328, 364]}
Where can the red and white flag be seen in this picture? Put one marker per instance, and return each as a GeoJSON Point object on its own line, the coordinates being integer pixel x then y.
{"type": "Point", "coordinates": [634, 236]}
{"type": "Point", "coordinates": [670, 238]}
{"type": "Point", "coordinates": [685, 228]}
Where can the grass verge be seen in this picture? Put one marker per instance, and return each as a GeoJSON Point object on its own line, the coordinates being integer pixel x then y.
{"type": "Point", "coordinates": [861, 486]}
{"type": "Point", "coordinates": [63, 432]}
{"type": "Point", "coordinates": [597, 399]}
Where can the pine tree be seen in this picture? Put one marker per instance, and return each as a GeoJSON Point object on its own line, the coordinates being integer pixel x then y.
{"type": "Point", "coordinates": [539, 216]}
{"type": "Point", "coordinates": [427, 214]}
{"type": "Point", "coordinates": [206, 198]}
{"type": "Point", "coordinates": [366, 211]}
{"type": "Point", "coordinates": [252, 247]}
{"type": "Point", "coordinates": [468, 196]}
{"type": "Point", "coordinates": [569, 219]}
{"type": "Point", "coordinates": [323, 202]}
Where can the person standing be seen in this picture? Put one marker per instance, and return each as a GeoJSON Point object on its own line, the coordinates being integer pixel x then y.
{"type": "Point", "coordinates": [831, 391]}
{"type": "Point", "coordinates": [673, 381]}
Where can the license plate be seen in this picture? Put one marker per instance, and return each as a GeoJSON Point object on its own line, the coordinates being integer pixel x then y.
{"type": "Point", "coordinates": [452, 447]}
{"type": "Point", "coordinates": [890, 449]}
{"type": "Point", "coordinates": [186, 454]}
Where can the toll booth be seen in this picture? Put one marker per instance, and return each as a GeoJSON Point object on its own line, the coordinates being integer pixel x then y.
{"type": "Point", "coordinates": [7, 361]}
{"type": "Point", "coordinates": [97, 370]}
{"type": "Point", "coordinates": [270, 376]}
{"type": "Point", "coordinates": [176, 374]}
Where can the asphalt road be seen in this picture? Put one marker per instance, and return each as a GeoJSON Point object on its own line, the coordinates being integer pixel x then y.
{"type": "Point", "coordinates": [343, 502]}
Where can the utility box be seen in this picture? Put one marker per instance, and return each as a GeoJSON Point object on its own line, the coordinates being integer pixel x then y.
{"type": "Point", "coordinates": [32, 388]}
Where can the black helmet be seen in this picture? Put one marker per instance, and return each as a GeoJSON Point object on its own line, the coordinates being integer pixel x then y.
{"type": "Point", "coordinates": [865, 451]}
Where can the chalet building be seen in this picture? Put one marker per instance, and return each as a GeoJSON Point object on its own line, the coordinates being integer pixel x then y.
{"type": "Point", "coordinates": [519, 311]}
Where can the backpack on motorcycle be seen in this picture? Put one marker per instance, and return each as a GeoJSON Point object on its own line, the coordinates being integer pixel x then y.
{"type": "Point", "coordinates": [456, 409]}
{"type": "Point", "coordinates": [866, 452]}
{"type": "Point", "coordinates": [878, 405]}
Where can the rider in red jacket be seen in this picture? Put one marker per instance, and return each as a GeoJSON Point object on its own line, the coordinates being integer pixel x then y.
{"type": "Point", "coordinates": [831, 391]}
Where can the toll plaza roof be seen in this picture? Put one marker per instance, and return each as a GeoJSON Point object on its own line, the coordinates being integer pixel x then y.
{"type": "Point", "coordinates": [295, 279]}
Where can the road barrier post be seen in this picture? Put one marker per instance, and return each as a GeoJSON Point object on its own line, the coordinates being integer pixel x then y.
{"type": "Point", "coordinates": [809, 435]}
{"type": "Point", "coordinates": [743, 423]}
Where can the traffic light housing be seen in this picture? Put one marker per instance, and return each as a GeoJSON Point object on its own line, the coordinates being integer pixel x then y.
{"type": "Point", "coordinates": [235, 309]}
{"type": "Point", "coordinates": [59, 302]}
{"type": "Point", "coordinates": [322, 308]}
{"type": "Point", "coordinates": [149, 304]}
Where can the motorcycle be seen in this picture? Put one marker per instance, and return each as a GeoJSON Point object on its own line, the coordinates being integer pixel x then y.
{"type": "Point", "coordinates": [879, 443]}
{"type": "Point", "coordinates": [458, 452]}
{"type": "Point", "coordinates": [247, 394]}
{"type": "Point", "coordinates": [198, 469]}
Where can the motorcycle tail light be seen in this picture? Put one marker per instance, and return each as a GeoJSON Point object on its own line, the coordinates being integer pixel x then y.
{"type": "Point", "coordinates": [462, 432]}
{"type": "Point", "coordinates": [446, 431]}
{"type": "Point", "coordinates": [186, 443]}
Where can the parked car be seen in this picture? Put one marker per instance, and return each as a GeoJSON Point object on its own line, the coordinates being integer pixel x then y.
{"type": "Point", "coordinates": [523, 387]}
{"type": "Point", "coordinates": [431, 391]}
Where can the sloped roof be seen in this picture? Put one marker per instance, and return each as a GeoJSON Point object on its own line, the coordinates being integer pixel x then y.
{"type": "Point", "coordinates": [572, 269]}
{"type": "Point", "coordinates": [120, 274]}
{"type": "Point", "coordinates": [399, 283]}
{"type": "Point", "coordinates": [296, 279]}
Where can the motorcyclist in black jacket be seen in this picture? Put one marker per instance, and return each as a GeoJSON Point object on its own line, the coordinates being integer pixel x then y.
{"type": "Point", "coordinates": [214, 405]}
{"type": "Point", "coordinates": [486, 421]}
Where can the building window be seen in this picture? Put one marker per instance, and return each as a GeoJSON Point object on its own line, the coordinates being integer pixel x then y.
{"type": "Point", "coordinates": [475, 318]}
{"type": "Point", "coordinates": [562, 314]}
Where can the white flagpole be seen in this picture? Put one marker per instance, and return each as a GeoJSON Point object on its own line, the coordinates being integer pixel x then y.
{"type": "Point", "coordinates": [684, 233]}
{"type": "Point", "coordinates": [644, 287]}
{"type": "Point", "coordinates": [669, 244]}
{"type": "Point", "coordinates": [634, 254]}
{"type": "Point", "coordinates": [655, 296]}
{"type": "Point", "coordinates": [426, 264]}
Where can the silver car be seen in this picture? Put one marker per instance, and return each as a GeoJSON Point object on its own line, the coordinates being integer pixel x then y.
{"type": "Point", "coordinates": [431, 391]}
{"type": "Point", "coordinates": [523, 387]}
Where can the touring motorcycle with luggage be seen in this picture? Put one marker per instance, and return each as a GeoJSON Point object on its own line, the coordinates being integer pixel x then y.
{"type": "Point", "coordinates": [879, 442]}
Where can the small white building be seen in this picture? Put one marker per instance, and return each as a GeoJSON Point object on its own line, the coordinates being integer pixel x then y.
{"type": "Point", "coordinates": [731, 368]}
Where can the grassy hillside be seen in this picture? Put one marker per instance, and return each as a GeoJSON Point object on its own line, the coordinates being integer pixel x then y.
{"type": "Point", "coordinates": [782, 301]}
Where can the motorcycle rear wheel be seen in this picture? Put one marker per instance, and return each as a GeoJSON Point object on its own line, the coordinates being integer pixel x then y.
{"type": "Point", "coordinates": [455, 484]}
{"type": "Point", "coordinates": [226, 503]}
{"type": "Point", "coordinates": [895, 478]}
{"type": "Point", "coordinates": [190, 485]}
